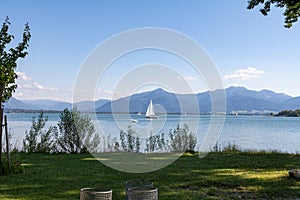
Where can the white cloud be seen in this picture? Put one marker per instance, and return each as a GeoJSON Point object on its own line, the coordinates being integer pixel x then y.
{"type": "Point", "coordinates": [25, 82]}
{"type": "Point", "coordinates": [30, 89]}
{"type": "Point", "coordinates": [22, 76]}
{"type": "Point", "coordinates": [41, 87]}
{"type": "Point", "coordinates": [245, 74]}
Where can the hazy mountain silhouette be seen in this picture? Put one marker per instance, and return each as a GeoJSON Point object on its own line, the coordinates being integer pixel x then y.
{"type": "Point", "coordinates": [237, 99]}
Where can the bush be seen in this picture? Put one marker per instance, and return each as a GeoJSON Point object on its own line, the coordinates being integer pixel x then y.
{"type": "Point", "coordinates": [37, 139]}
{"type": "Point", "coordinates": [228, 147]}
{"type": "Point", "coordinates": [182, 139]}
{"type": "Point", "coordinates": [76, 133]}
{"type": "Point", "coordinates": [130, 141]}
{"type": "Point", "coordinates": [15, 165]}
{"type": "Point", "coordinates": [155, 143]}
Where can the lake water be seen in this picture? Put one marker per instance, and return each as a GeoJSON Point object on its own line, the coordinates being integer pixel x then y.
{"type": "Point", "coordinates": [248, 132]}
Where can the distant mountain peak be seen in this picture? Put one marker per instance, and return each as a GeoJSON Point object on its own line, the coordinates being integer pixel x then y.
{"type": "Point", "coordinates": [159, 91]}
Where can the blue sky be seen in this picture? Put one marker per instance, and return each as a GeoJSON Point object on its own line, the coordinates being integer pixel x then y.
{"type": "Point", "coordinates": [247, 48]}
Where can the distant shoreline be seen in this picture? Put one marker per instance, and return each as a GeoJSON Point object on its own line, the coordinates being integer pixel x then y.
{"type": "Point", "coordinates": [288, 113]}
{"type": "Point", "coordinates": [134, 113]}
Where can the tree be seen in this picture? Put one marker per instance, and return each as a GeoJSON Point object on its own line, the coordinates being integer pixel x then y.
{"type": "Point", "coordinates": [291, 13]}
{"type": "Point", "coordinates": [76, 133]}
{"type": "Point", "coordinates": [130, 139]}
{"type": "Point", "coordinates": [8, 65]}
{"type": "Point", "coordinates": [123, 140]}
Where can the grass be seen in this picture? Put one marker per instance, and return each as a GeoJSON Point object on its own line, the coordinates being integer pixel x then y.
{"type": "Point", "coordinates": [221, 175]}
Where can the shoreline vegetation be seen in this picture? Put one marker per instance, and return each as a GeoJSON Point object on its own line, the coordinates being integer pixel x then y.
{"type": "Point", "coordinates": [289, 113]}
{"type": "Point", "coordinates": [75, 133]}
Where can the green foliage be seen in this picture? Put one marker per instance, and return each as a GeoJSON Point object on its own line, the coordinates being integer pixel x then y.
{"type": "Point", "coordinates": [15, 165]}
{"type": "Point", "coordinates": [123, 140]}
{"type": "Point", "coordinates": [8, 65]}
{"type": "Point", "coordinates": [289, 113]}
{"type": "Point", "coordinates": [112, 145]}
{"type": "Point", "coordinates": [228, 147]}
{"type": "Point", "coordinates": [155, 143]}
{"type": "Point", "coordinates": [116, 146]}
{"type": "Point", "coordinates": [137, 144]}
{"type": "Point", "coordinates": [76, 133]}
{"type": "Point", "coordinates": [46, 145]}
{"type": "Point", "coordinates": [182, 139]}
{"type": "Point", "coordinates": [130, 141]}
{"type": "Point", "coordinates": [8, 59]}
{"type": "Point", "coordinates": [291, 13]}
{"type": "Point", "coordinates": [37, 139]}
{"type": "Point", "coordinates": [150, 143]}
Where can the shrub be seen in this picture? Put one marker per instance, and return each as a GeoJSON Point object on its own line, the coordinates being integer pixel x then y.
{"type": "Point", "coordinates": [130, 141]}
{"type": "Point", "coordinates": [76, 133]}
{"type": "Point", "coordinates": [155, 143]}
{"type": "Point", "coordinates": [37, 139]}
{"type": "Point", "coordinates": [226, 147]}
{"type": "Point", "coordinates": [182, 139]}
{"type": "Point", "coordinates": [14, 167]}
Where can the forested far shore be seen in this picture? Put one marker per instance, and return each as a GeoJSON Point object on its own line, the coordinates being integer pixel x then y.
{"type": "Point", "coordinates": [289, 113]}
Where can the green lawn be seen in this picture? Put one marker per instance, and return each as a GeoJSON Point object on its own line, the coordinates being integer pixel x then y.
{"type": "Point", "coordinates": [217, 176]}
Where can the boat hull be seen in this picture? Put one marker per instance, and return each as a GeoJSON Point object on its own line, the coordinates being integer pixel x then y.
{"type": "Point", "coordinates": [152, 117]}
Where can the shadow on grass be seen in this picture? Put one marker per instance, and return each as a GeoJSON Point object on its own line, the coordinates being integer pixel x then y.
{"type": "Point", "coordinates": [236, 175]}
{"type": "Point", "coordinates": [217, 176]}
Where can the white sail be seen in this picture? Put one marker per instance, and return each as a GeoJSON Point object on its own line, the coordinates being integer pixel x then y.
{"type": "Point", "coordinates": [150, 111]}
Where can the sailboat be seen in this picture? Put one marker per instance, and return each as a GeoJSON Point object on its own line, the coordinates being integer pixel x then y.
{"type": "Point", "coordinates": [150, 112]}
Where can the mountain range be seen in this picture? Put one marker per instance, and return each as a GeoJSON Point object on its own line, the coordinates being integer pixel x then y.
{"type": "Point", "coordinates": [238, 99]}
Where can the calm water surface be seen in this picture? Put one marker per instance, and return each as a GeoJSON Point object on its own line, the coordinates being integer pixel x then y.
{"type": "Point", "coordinates": [248, 132]}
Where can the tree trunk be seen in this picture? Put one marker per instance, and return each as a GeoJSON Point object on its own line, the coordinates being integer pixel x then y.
{"type": "Point", "coordinates": [7, 142]}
